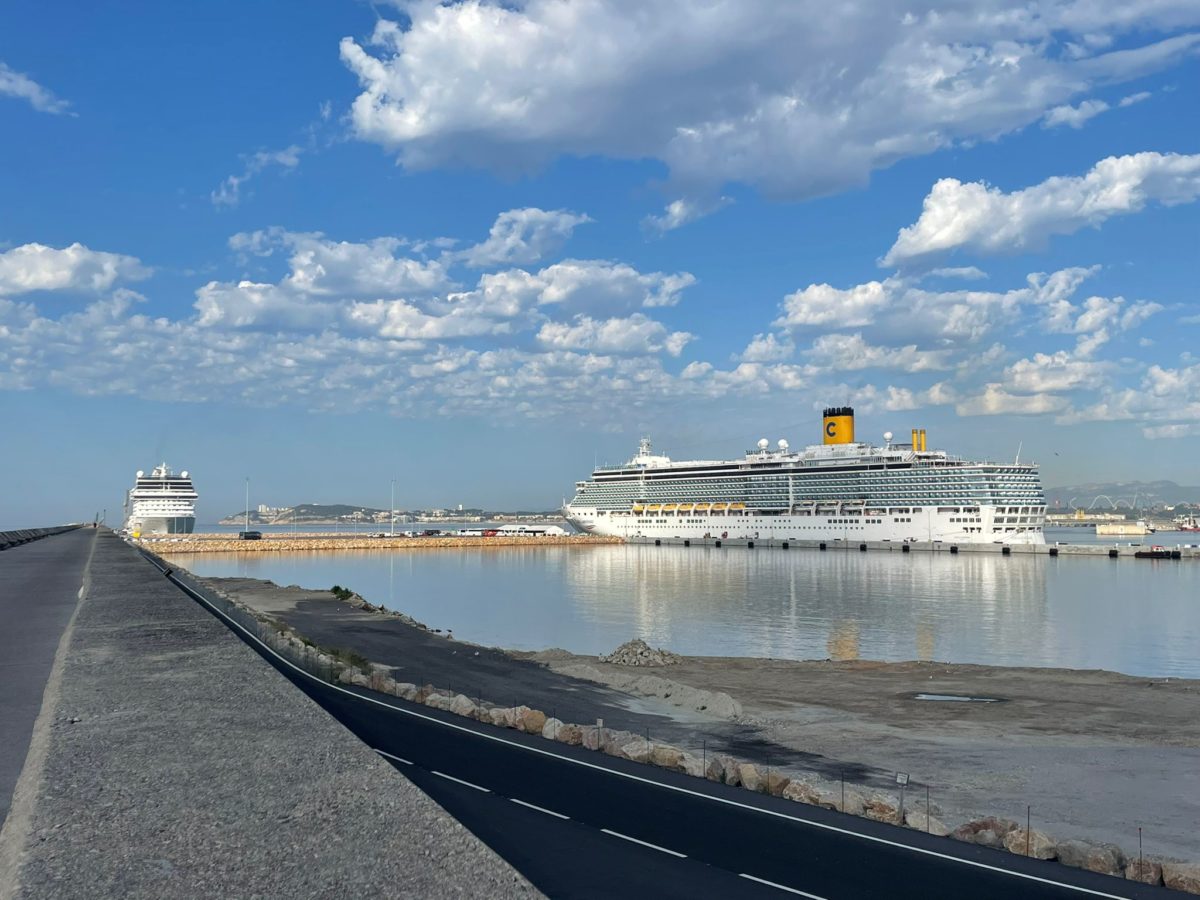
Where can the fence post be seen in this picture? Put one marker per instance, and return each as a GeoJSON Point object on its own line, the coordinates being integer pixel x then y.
{"type": "Point", "coordinates": [1028, 835]}
{"type": "Point", "coordinates": [926, 809]}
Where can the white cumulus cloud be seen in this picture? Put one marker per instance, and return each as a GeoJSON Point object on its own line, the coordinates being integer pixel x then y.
{"type": "Point", "coordinates": [994, 400]}
{"type": "Point", "coordinates": [682, 211]}
{"type": "Point", "coordinates": [843, 352]}
{"type": "Point", "coordinates": [36, 267]}
{"type": "Point", "coordinates": [798, 99]}
{"type": "Point", "coordinates": [985, 219]}
{"type": "Point", "coordinates": [523, 236]}
{"type": "Point", "coordinates": [767, 348]}
{"type": "Point", "coordinates": [633, 334]}
{"type": "Point", "coordinates": [1073, 116]}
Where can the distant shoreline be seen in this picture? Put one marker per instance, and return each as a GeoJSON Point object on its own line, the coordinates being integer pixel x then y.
{"type": "Point", "coordinates": [325, 541]}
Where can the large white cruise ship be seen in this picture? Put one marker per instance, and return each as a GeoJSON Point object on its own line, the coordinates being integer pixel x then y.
{"type": "Point", "coordinates": [161, 503]}
{"type": "Point", "coordinates": [840, 489]}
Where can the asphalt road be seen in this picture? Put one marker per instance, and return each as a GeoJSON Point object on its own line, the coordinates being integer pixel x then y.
{"type": "Point", "coordinates": [581, 824]}
{"type": "Point", "coordinates": [39, 590]}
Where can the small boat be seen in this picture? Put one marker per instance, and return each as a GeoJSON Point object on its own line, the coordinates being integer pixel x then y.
{"type": "Point", "coordinates": [1155, 552]}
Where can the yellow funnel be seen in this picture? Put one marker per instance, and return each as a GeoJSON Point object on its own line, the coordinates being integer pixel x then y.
{"type": "Point", "coordinates": [839, 425]}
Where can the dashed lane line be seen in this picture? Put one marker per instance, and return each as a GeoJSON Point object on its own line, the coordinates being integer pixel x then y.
{"type": "Point", "coordinates": [540, 809]}
{"type": "Point", "coordinates": [782, 887]}
{"type": "Point", "coordinates": [634, 840]}
{"type": "Point", "coordinates": [399, 759]}
{"type": "Point", "coordinates": [460, 781]}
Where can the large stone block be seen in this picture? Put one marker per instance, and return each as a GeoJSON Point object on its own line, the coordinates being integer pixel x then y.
{"type": "Point", "coordinates": [882, 809]}
{"type": "Point", "coordinates": [1182, 876]}
{"type": "Point", "coordinates": [723, 768]}
{"type": "Point", "coordinates": [916, 819]}
{"type": "Point", "coordinates": [1036, 844]}
{"type": "Point", "coordinates": [776, 783]}
{"type": "Point", "coordinates": [750, 778]}
{"type": "Point", "coordinates": [1107, 859]}
{"type": "Point", "coordinates": [989, 831]}
{"type": "Point", "coordinates": [1147, 871]}
{"type": "Point", "coordinates": [570, 734]}
{"type": "Point", "coordinates": [531, 721]}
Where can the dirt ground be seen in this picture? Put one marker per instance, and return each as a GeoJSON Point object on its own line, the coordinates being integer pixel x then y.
{"type": "Point", "coordinates": [1094, 754]}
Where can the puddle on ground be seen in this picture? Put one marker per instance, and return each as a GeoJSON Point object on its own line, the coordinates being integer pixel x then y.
{"type": "Point", "coordinates": [957, 698]}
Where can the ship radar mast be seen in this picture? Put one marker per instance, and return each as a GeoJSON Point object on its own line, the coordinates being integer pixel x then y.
{"type": "Point", "coordinates": [644, 448]}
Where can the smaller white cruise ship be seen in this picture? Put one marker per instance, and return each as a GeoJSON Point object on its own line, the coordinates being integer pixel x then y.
{"type": "Point", "coordinates": [161, 503]}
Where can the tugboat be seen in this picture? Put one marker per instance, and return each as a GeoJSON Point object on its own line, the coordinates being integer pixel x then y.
{"type": "Point", "coordinates": [1155, 552]}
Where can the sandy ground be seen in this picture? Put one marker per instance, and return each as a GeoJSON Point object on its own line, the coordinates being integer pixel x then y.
{"type": "Point", "coordinates": [1094, 754]}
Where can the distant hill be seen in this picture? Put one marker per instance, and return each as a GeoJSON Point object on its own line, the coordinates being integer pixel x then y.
{"type": "Point", "coordinates": [1125, 493]}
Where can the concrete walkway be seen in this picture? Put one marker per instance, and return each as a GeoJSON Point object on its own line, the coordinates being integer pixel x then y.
{"type": "Point", "coordinates": [39, 590]}
{"type": "Point", "coordinates": [172, 761]}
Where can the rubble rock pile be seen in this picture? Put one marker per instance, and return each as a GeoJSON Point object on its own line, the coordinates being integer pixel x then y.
{"type": "Point", "coordinates": [638, 653]}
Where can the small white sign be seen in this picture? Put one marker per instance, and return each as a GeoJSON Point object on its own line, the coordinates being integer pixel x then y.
{"type": "Point", "coordinates": [901, 778]}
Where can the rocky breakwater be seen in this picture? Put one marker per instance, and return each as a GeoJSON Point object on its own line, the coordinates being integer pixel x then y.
{"type": "Point", "coordinates": [287, 543]}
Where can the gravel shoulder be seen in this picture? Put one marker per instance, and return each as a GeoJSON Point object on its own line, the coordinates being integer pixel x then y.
{"type": "Point", "coordinates": [177, 763]}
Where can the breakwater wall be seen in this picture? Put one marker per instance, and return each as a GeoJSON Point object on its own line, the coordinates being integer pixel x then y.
{"type": "Point", "coordinates": [1096, 551]}
{"type": "Point", "coordinates": [290, 543]}
{"type": "Point", "coordinates": [25, 535]}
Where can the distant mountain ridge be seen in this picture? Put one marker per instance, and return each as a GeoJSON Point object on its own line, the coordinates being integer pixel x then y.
{"type": "Point", "coordinates": [1145, 493]}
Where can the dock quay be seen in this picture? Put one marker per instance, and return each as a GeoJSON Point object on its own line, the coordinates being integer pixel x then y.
{"type": "Point", "coordinates": [1097, 551]}
{"type": "Point", "coordinates": [170, 760]}
{"type": "Point", "coordinates": [301, 542]}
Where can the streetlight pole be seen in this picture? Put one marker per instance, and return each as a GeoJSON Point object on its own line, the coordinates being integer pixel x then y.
{"type": "Point", "coordinates": [247, 503]}
{"type": "Point", "coordinates": [392, 508]}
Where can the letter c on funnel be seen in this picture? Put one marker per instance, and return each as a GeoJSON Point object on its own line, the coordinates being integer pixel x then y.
{"type": "Point", "coordinates": [830, 428]}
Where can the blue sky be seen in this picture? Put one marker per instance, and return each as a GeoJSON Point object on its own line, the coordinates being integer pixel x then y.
{"type": "Point", "coordinates": [475, 248]}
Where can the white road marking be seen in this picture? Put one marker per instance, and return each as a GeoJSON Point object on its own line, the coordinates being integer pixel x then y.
{"type": "Point", "coordinates": [639, 778]}
{"type": "Point", "coordinates": [634, 840]}
{"type": "Point", "coordinates": [460, 781]}
{"type": "Point", "coordinates": [400, 759]}
{"type": "Point", "coordinates": [541, 809]}
{"type": "Point", "coordinates": [782, 887]}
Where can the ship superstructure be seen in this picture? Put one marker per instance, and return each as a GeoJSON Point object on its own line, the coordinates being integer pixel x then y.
{"type": "Point", "coordinates": [841, 489]}
{"type": "Point", "coordinates": [161, 503]}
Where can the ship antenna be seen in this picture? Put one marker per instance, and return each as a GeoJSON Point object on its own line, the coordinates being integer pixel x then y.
{"type": "Point", "coordinates": [1017, 461]}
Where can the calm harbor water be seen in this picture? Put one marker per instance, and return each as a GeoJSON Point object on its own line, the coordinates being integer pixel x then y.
{"type": "Point", "coordinates": [1139, 617]}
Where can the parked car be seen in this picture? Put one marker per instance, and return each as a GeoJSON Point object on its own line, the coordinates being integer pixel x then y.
{"type": "Point", "coordinates": [250, 535]}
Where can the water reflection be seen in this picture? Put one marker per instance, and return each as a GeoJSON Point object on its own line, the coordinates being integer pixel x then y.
{"type": "Point", "coordinates": [1132, 617]}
